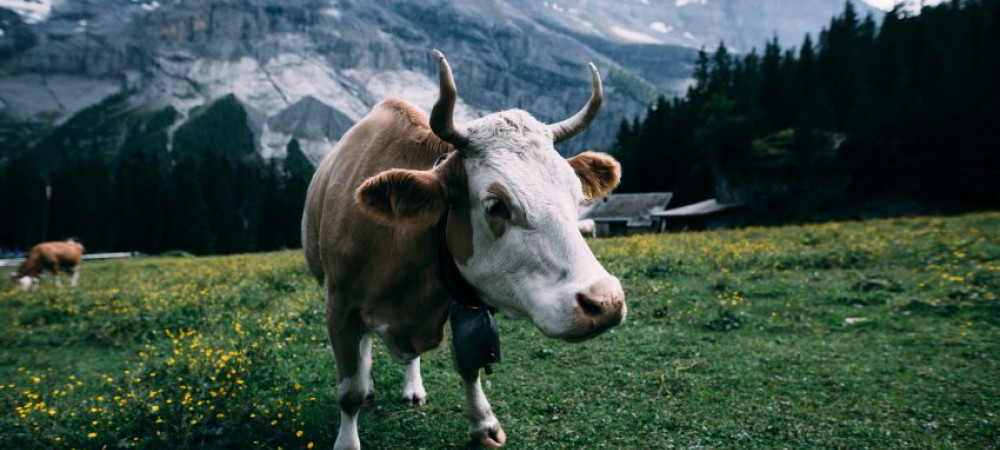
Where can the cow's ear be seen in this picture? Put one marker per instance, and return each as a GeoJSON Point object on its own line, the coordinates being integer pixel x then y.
{"type": "Point", "coordinates": [403, 197]}
{"type": "Point", "coordinates": [599, 173]}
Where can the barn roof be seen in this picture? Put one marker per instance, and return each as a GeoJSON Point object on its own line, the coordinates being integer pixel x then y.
{"type": "Point", "coordinates": [697, 209]}
{"type": "Point", "coordinates": [627, 207]}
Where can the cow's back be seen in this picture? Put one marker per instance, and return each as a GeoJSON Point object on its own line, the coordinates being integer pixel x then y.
{"type": "Point", "coordinates": [342, 245]}
{"type": "Point", "coordinates": [50, 255]}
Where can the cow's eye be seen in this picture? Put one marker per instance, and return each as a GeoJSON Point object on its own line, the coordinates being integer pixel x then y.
{"type": "Point", "coordinates": [497, 208]}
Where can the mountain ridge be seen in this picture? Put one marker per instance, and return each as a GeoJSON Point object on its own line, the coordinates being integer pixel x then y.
{"type": "Point", "coordinates": [346, 55]}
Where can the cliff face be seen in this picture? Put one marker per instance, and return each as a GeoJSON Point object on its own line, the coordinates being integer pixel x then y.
{"type": "Point", "coordinates": [305, 69]}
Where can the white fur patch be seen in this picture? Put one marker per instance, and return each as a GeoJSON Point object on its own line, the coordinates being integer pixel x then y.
{"type": "Point", "coordinates": [26, 282]}
{"type": "Point", "coordinates": [478, 410]}
{"type": "Point", "coordinates": [413, 384]}
{"type": "Point", "coordinates": [347, 437]}
{"type": "Point", "coordinates": [541, 261]}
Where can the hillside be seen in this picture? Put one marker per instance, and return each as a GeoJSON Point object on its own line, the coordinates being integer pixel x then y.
{"type": "Point", "coordinates": [346, 55]}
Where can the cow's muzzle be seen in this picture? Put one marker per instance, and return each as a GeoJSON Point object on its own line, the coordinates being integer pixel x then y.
{"type": "Point", "coordinates": [597, 308]}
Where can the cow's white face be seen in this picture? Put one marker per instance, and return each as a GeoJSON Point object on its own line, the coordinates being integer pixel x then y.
{"type": "Point", "coordinates": [528, 258]}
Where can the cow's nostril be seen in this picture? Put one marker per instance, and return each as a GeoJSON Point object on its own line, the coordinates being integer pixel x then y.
{"type": "Point", "coordinates": [599, 307]}
{"type": "Point", "coordinates": [590, 306]}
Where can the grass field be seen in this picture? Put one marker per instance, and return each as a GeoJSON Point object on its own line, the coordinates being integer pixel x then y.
{"type": "Point", "coordinates": [734, 339]}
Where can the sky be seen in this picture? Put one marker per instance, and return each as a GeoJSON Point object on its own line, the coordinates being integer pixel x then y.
{"type": "Point", "coordinates": [888, 4]}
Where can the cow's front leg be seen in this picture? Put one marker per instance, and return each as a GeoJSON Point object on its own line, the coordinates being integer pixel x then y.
{"type": "Point", "coordinates": [484, 427]}
{"type": "Point", "coordinates": [353, 391]}
{"type": "Point", "coordinates": [352, 348]}
{"type": "Point", "coordinates": [76, 275]}
{"type": "Point", "coordinates": [56, 270]}
{"type": "Point", "coordinates": [413, 385]}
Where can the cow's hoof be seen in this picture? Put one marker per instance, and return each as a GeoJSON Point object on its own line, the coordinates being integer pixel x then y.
{"type": "Point", "coordinates": [415, 399]}
{"type": "Point", "coordinates": [490, 437]}
{"type": "Point", "coordinates": [414, 394]}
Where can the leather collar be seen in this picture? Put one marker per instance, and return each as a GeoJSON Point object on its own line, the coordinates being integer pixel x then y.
{"type": "Point", "coordinates": [454, 283]}
{"type": "Point", "coordinates": [474, 333]}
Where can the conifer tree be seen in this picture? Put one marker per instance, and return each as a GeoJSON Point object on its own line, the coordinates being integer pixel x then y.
{"type": "Point", "coordinates": [269, 214]}
{"type": "Point", "coordinates": [23, 197]}
{"type": "Point", "coordinates": [96, 230]}
{"type": "Point", "coordinates": [190, 227]}
{"type": "Point", "coordinates": [298, 173]}
{"type": "Point", "coordinates": [625, 152]}
{"type": "Point", "coordinates": [221, 198]}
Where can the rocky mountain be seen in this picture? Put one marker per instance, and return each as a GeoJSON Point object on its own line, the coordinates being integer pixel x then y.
{"type": "Point", "coordinates": [741, 24]}
{"type": "Point", "coordinates": [179, 75]}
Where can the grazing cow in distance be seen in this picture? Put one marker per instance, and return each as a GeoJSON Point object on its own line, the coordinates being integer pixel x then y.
{"type": "Point", "coordinates": [51, 256]}
{"type": "Point", "coordinates": [493, 197]}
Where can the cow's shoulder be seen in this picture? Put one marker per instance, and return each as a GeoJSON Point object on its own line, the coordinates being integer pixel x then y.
{"type": "Point", "coordinates": [399, 135]}
{"type": "Point", "coordinates": [412, 116]}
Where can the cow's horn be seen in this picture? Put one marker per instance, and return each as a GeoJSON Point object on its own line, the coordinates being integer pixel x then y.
{"type": "Point", "coordinates": [582, 119]}
{"type": "Point", "coordinates": [441, 116]}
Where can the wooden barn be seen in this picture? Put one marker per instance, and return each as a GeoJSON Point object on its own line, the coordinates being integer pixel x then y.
{"type": "Point", "coordinates": [623, 214]}
{"type": "Point", "coordinates": [701, 216]}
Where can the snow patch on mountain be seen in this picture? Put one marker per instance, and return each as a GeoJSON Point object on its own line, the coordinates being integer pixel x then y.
{"type": "Point", "coordinates": [298, 77]}
{"type": "Point", "coordinates": [274, 144]}
{"type": "Point", "coordinates": [331, 12]}
{"type": "Point", "coordinates": [661, 27]}
{"type": "Point", "coordinates": [31, 11]}
{"type": "Point", "coordinates": [634, 36]}
{"type": "Point", "coordinates": [150, 7]}
{"type": "Point", "coordinates": [413, 86]}
{"type": "Point", "coordinates": [244, 78]}
{"type": "Point", "coordinates": [912, 6]}
{"type": "Point", "coordinates": [555, 7]}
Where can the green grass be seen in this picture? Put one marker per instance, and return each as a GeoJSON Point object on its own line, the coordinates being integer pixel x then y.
{"type": "Point", "coordinates": [734, 339]}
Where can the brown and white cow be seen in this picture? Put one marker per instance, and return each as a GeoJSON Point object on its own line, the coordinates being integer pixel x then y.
{"type": "Point", "coordinates": [51, 256]}
{"type": "Point", "coordinates": [509, 203]}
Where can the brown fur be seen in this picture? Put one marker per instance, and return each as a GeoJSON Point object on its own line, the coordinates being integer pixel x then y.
{"type": "Point", "coordinates": [408, 197]}
{"type": "Point", "coordinates": [497, 225]}
{"type": "Point", "coordinates": [51, 256]}
{"type": "Point", "coordinates": [375, 273]}
{"type": "Point", "coordinates": [460, 211]}
{"type": "Point", "coordinates": [598, 172]}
